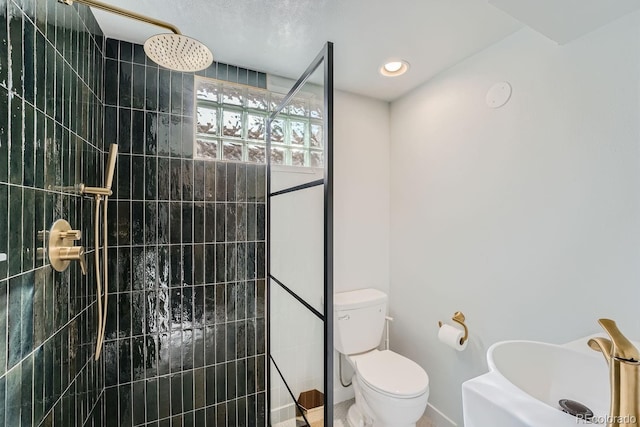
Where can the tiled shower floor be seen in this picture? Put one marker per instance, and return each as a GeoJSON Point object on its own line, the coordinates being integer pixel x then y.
{"type": "Point", "coordinates": [340, 417]}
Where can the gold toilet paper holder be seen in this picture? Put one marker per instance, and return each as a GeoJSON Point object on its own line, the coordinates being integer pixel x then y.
{"type": "Point", "coordinates": [459, 318]}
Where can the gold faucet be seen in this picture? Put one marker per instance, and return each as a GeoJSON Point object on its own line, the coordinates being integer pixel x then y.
{"type": "Point", "coordinates": [624, 375]}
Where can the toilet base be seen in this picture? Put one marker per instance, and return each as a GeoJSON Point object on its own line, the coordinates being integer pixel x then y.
{"type": "Point", "coordinates": [355, 418]}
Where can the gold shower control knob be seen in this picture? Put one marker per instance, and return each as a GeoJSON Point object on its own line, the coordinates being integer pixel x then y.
{"type": "Point", "coordinates": [74, 253]}
{"type": "Point", "coordinates": [61, 250]}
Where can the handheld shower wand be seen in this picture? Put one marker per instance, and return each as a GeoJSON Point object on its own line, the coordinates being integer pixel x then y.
{"type": "Point", "coordinates": [101, 194]}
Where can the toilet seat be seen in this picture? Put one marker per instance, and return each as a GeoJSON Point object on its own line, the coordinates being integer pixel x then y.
{"type": "Point", "coordinates": [391, 374]}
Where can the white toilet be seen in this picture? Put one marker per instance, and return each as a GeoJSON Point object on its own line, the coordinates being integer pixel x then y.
{"type": "Point", "coordinates": [391, 390]}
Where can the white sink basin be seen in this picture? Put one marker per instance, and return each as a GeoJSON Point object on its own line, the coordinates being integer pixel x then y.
{"type": "Point", "coordinates": [526, 380]}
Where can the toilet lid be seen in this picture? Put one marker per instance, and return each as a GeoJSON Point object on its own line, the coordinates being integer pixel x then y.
{"type": "Point", "coordinates": [393, 374]}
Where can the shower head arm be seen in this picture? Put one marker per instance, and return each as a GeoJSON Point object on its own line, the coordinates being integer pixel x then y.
{"type": "Point", "coordinates": [127, 13]}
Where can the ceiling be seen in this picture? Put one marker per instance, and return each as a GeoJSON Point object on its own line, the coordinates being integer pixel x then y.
{"type": "Point", "coordinates": [281, 37]}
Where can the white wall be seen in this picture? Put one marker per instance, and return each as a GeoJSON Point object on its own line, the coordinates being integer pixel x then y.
{"type": "Point", "coordinates": [361, 199]}
{"type": "Point", "coordinates": [361, 193]}
{"type": "Point", "coordinates": [527, 217]}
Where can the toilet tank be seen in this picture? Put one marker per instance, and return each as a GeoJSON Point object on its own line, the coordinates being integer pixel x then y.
{"type": "Point", "coordinates": [359, 318]}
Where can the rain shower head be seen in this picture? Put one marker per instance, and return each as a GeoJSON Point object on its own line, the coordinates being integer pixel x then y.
{"type": "Point", "coordinates": [178, 52]}
{"type": "Point", "coordinates": [111, 165]}
{"type": "Point", "coordinates": [172, 50]}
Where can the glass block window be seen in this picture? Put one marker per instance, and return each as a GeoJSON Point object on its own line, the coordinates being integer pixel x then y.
{"type": "Point", "coordinates": [232, 119]}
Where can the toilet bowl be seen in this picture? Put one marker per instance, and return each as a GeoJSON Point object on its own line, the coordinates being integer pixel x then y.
{"type": "Point", "coordinates": [390, 389]}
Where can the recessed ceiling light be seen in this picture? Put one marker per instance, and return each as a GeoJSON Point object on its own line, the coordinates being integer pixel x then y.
{"type": "Point", "coordinates": [394, 68]}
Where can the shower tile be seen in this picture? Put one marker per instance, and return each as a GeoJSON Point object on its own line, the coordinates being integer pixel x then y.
{"type": "Point", "coordinates": [16, 148]}
{"type": "Point", "coordinates": [137, 223]}
{"type": "Point", "coordinates": [110, 125]}
{"type": "Point", "coordinates": [13, 402]}
{"type": "Point", "coordinates": [39, 165]}
{"type": "Point", "coordinates": [124, 359]}
{"type": "Point", "coordinates": [151, 400]}
{"type": "Point", "coordinates": [111, 72]}
{"type": "Point", "coordinates": [231, 350]}
{"type": "Point", "coordinates": [139, 403]}
{"type": "Point", "coordinates": [163, 134]}
{"type": "Point", "coordinates": [221, 222]}
{"type": "Point", "coordinates": [199, 220]}
{"type": "Point", "coordinates": [137, 356]}
{"type": "Point", "coordinates": [187, 392]}
{"type": "Point", "coordinates": [199, 265]}
{"type": "Point", "coordinates": [231, 261]}
{"type": "Point", "coordinates": [175, 173]}
{"type": "Point", "coordinates": [112, 49]}
{"type": "Point", "coordinates": [187, 222]}
{"type": "Point", "coordinates": [260, 259]}
{"type": "Point", "coordinates": [164, 90]}
{"type": "Point", "coordinates": [139, 57]}
{"type": "Point", "coordinates": [26, 314]}
{"type": "Point", "coordinates": [164, 396]}
{"type": "Point", "coordinates": [175, 228]}
{"type": "Point", "coordinates": [124, 82]}
{"type": "Point", "coordinates": [176, 394]}
{"type": "Point", "coordinates": [187, 137]}
{"type": "Point", "coordinates": [14, 317]}
{"type": "Point", "coordinates": [124, 131]}
{"type": "Point", "coordinates": [151, 88]}
{"type": "Point", "coordinates": [187, 94]}
{"type": "Point", "coordinates": [210, 181]}
{"type": "Point", "coordinates": [150, 222]}
{"type": "Point", "coordinates": [16, 51]}
{"type": "Point", "coordinates": [26, 396]}
{"type": "Point", "coordinates": [138, 132]}
{"type": "Point", "coordinates": [187, 180]}
{"type": "Point", "coordinates": [28, 177]}
{"type": "Point", "coordinates": [251, 337]}
{"type": "Point", "coordinates": [151, 133]}
{"type": "Point", "coordinates": [138, 93]}
{"type": "Point", "coordinates": [176, 92]}
{"type": "Point", "coordinates": [210, 263]}
{"type": "Point", "coordinates": [208, 232]}
{"type": "Point", "coordinates": [137, 314]}
{"type": "Point", "coordinates": [125, 409]}
{"type": "Point", "coordinates": [123, 179]}
{"type": "Point", "coordinates": [164, 179]}
{"type": "Point", "coordinates": [150, 178]}
{"type": "Point", "coordinates": [175, 135]}
{"type": "Point", "coordinates": [198, 348]}
{"type": "Point", "coordinates": [124, 327]}
{"type": "Point", "coordinates": [221, 260]}
{"type": "Point", "coordinates": [187, 264]}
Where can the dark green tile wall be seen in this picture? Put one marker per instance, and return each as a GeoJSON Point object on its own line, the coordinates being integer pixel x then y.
{"type": "Point", "coordinates": [51, 85]}
{"type": "Point", "coordinates": [185, 338]}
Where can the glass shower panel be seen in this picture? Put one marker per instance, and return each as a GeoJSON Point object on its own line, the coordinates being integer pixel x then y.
{"type": "Point", "coordinates": [300, 248]}
{"type": "Point", "coordinates": [297, 342]}
{"type": "Point", "coordinates": [297, 242]}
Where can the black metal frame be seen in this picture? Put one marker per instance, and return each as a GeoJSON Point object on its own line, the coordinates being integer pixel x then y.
{"type": "Point", "coordinates": [325, 59]}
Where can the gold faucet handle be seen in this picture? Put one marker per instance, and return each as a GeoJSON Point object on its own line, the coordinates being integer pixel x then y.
{"type": "Point", "coordinates": [70, 235]}
{"type": "Point", "coordinates": [621, 347]}
{"type": "Point", "coordinates": [74, 253]}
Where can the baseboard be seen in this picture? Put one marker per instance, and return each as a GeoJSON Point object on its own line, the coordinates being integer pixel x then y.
{"type": "Point", "coordinates": [439, 419]}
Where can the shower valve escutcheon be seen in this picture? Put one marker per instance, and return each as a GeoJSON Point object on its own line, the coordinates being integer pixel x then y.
{"type": "Point", "coordinates": [61, 248]}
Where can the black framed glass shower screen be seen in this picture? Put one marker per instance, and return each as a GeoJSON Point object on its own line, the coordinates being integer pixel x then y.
{"type": "Point", "coordinates": [300, 250]}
